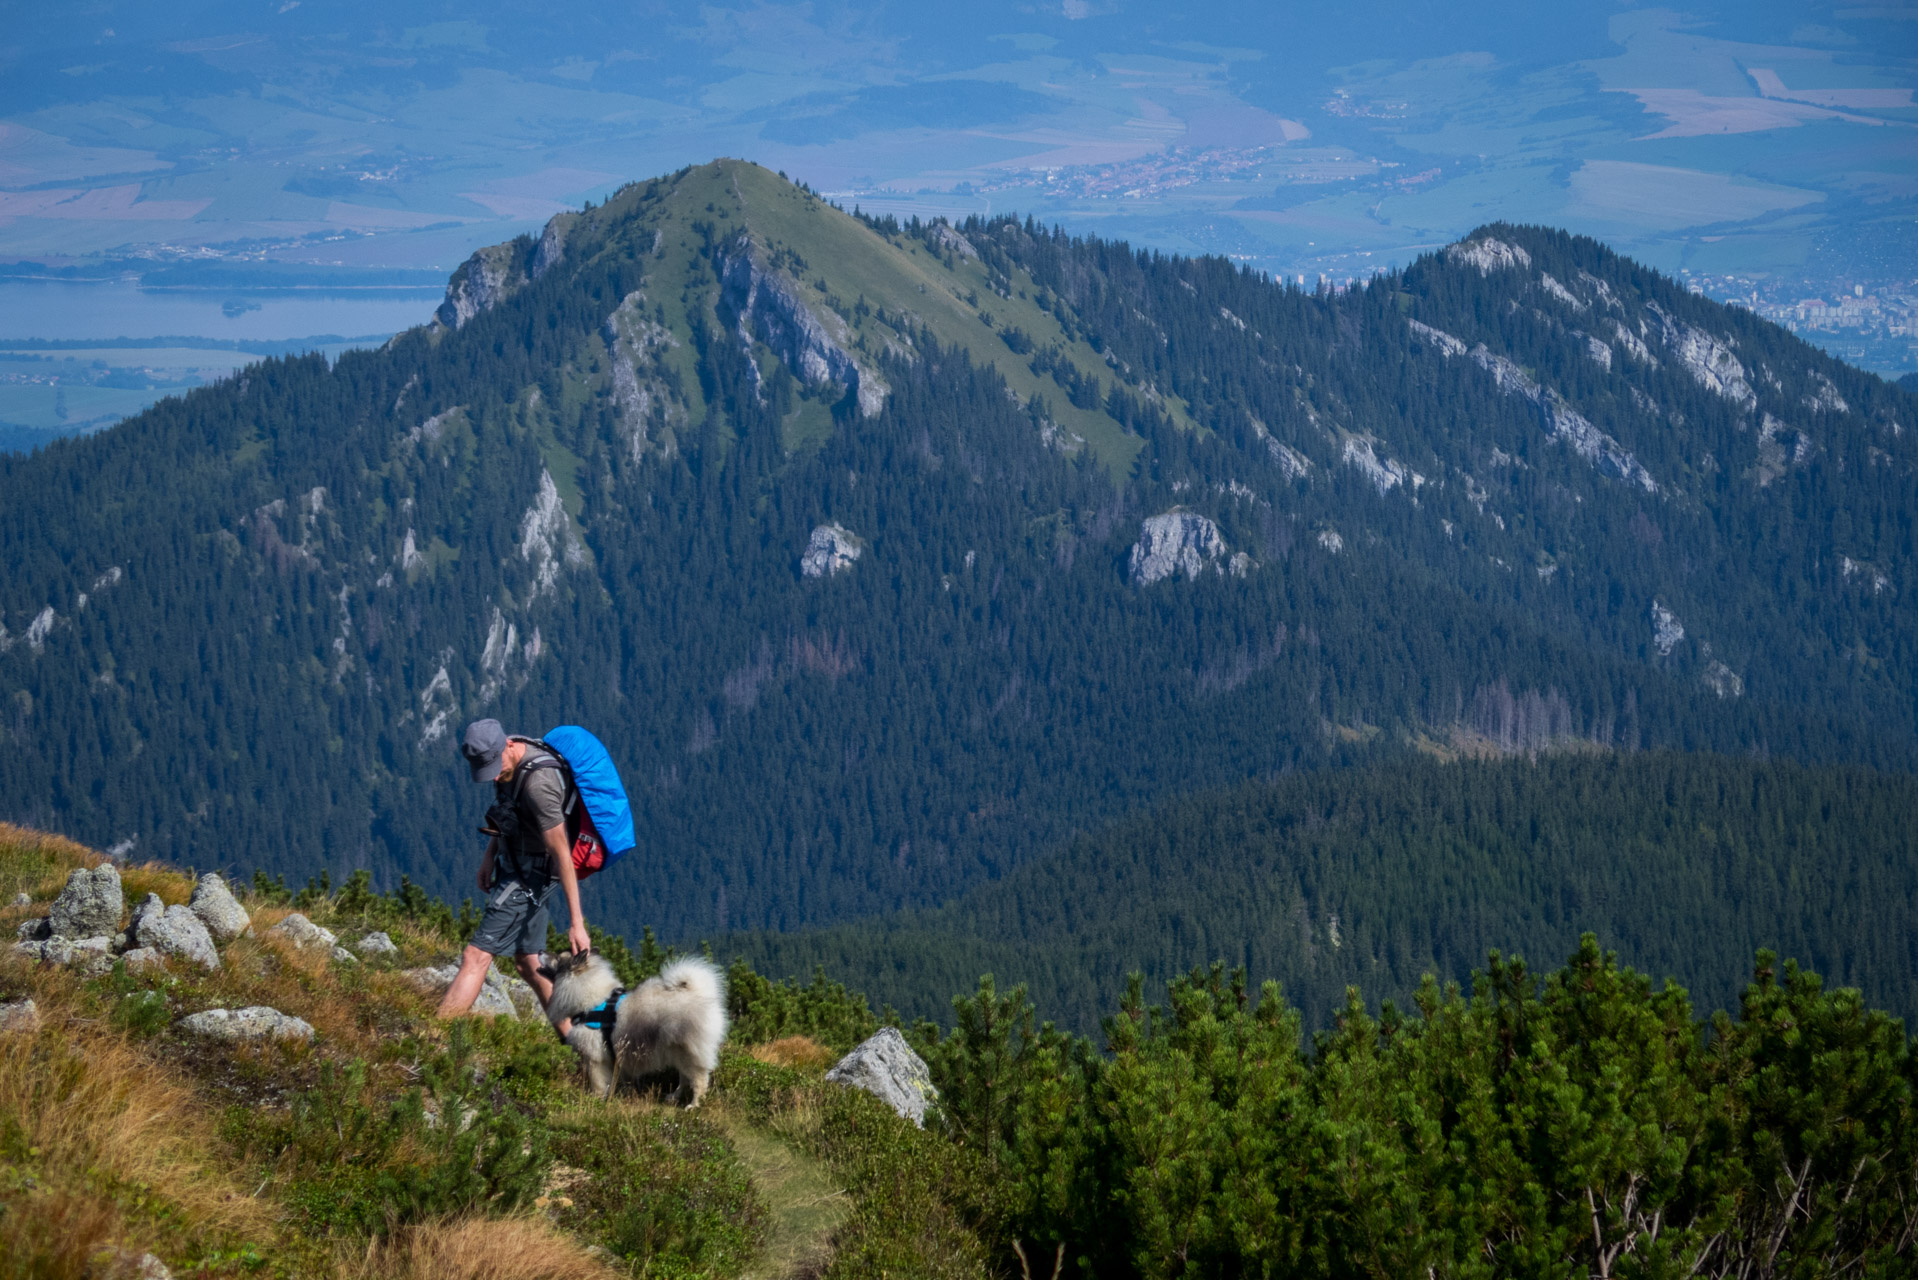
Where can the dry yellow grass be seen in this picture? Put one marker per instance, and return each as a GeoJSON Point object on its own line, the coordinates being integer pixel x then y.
{"type": "Point", "coordinates": [478, 1249]}
{"type": "Point", "coordinates": [114, 1147]}
{"type": "Point", "coordinates": [37, 863]}
{"type": "Point", "coordinates": [793, 1051]}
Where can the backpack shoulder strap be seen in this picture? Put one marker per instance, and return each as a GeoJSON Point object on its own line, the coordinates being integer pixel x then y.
{"type": "Point", "coordinates": [553, 760]}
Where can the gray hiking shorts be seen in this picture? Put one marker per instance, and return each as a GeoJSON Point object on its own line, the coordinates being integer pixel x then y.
{"type": "Point", "coordinates": [516, 920]}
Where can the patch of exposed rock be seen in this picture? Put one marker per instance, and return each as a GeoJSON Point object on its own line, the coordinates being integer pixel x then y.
{"type": "Point", "coordinates": [647, 404]}
{"type": "Point", "coordinates": [482, 282]}
{"type": "Point", "coordinates": [1707, 358]}
{"type": "Point", "coordinates": [1723, 681]}
{"type": "Point", "coordinates": [256, 1022]}
{"type": "Point", "coordinates": [218, 909]}
{"type": "Point", "coordinates": [814, 345]}
{"type": "Point", "coordinates": [1488, 254]}
{"type": "Point", "coordinates": [546, 537]}
{"type": "Point", "coordinates": [90, 905]}
{"type": "Point", "coordinates": [946, 238]}
{"type": "Point", "coordinates": [1667, 630]}
{"type": "Point", "coordinates": [886, 1067]}
{"type": "Point", "coordinates": [376, 944]}
{"type": "Point", "coordinates": [831, 550]}
{"type": "Point", "coordinates": [1175, 542]}
{"type": "Point", "coordinates": [1384, 473]}
{"type": "Point", "coordinates": [19, 1015]}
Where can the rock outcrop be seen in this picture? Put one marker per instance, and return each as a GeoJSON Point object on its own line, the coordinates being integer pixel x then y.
{"type": "Point", "coordinates": [482, 282]}
{"type": "Point", "coordinates": [1708, 359]}
{"type": "Point", "coordinates": [1667, 630]}
{"type": "Point", "coordinates": [218, 909]}
{"type": "Point", "coordinates": [831, 550]}
{"type": "Point", "coordinates": [648, 406]}
{"type": "Point", "coordinates": [1488, 254]}
{"type": "Point", "coordinates": [1175, 542]}
{"type": "Point", "coordinates": [174, 931]}
{"type": "Point", "coordinates": [256, 1022]}
{"type": "Point", "coordinates": [813, 344]}
{"type": "Point", "coordinates": [376, 944]}
{"type": "Point", "coordinates": [19, 1015]}
{"type": "Point", "coordinates": [90, 905]}
{"type": "Point", "coordinates": [886, 1067]}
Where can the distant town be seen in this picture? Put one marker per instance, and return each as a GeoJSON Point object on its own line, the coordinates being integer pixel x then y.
{"type": "Point", "coordinates": [1869, 323]}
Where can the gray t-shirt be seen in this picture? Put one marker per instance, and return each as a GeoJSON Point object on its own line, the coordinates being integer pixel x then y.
{"type": "Point", "coordinates": [542, 806]}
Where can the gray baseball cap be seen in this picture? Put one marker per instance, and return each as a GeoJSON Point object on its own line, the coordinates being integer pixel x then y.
{"type": "Point", "coordinates": [485, 740]}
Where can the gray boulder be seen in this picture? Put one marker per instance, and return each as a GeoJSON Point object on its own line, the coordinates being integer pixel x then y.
{"type": "Point", "coordinates": [342, 956]}
{"type": "Point", "coordinates": [90, 905]}
{"type": "Point", "coordinates": [218, 909]}
{"type": "Point", "coordinates": [523, 997]}
{"type": "Point", "coordinates": [175, 932]}
{"type": "Point", "coordinates": [91, 956]}
{"type": "Point", "coordinates": [255, 1023]}
{"type": "Point", "coordinates": [303, 933]}
{"type": "Point", "coordinates": [141, 959]}
{"type": "Point", "coordinates": [23, 899]}
{"type": "Point", "coordinates": [886, 1067]}
{"type": "Point", "coordinates": [34, 930]}
{"type": "Point", "coordinates": [19, 1015]}
{"type": "Point", "coordinates": [494, 1001]}
{"type": "Point", "coordinates": [376, 944]}
{"type": "Point", "coordinates": [149, 906]}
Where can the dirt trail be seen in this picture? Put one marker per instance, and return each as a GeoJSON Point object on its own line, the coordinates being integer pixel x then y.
{"type": "Point", "coordinates": [807, 1208]}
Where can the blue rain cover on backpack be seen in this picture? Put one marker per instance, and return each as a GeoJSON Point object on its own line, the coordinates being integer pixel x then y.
{"type": "Point", "coordinates": [599, 787]}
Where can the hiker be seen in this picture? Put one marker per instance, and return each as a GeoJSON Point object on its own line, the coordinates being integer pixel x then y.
{"type": "Point", "coordinates": [530, 851]}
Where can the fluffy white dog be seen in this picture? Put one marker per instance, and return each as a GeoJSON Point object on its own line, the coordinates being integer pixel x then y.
{"type": "Point", "coordinates": [676, 1020]}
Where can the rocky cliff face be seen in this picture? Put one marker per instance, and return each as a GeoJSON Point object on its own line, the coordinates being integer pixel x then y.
{"type": "Point", "coordinates": [814, 343]}
{"type": "Point", "coordinates": [1175, 542]}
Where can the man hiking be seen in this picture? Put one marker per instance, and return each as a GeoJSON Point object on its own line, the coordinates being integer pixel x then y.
{"type": "Point", "coordinates": [530, 851]}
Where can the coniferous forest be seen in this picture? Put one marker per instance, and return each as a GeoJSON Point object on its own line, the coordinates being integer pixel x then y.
{"type": "Point", "coordinates": [896, 562]}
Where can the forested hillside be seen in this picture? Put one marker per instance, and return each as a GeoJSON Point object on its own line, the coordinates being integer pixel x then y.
{"type": "Point", "coordinates": [887, 557]}
{"type": "Point", "coordinates": [1683, 864]}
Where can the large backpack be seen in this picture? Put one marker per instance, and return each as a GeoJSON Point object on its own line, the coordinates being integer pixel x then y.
{"type": "Point", "coordinates": [605, 816]}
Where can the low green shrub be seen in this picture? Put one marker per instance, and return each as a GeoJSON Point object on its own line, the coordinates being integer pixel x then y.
{"type": "Point", "coordinates": [360, 1162]}
{"type": "Point", "coordinates": [763, 1009]}
{"type": "Point", "coordinates": [662, 1189]}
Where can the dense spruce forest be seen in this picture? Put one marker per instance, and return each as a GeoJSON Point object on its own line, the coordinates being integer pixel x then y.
{"type": "Point", "coordinates": [888, 558]}
{"type": "Point", "coordinates": [1685, 865]}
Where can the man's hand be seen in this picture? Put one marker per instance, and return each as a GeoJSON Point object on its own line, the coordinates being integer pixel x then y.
{"type": "Point", "coordinates": [578, 936]}
{"type": "Point", "coordinates": [569, 881]}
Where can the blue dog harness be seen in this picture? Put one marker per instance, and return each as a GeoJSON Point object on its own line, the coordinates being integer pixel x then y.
{"type": "Point", "coordinates": [603, 1016]}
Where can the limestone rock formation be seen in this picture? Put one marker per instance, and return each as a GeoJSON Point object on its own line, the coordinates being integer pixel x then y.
{"type": "Point", "coordinates": [91, 956]}
{"type": "Point", "coordinates": [90, 905]}
{"type": "Point", "coordinates": [831, 550]}
{"type": "Point", "coordinates": [1175, 542]}
{"type": "Point", "coordinates": [813, 344]}
{"type": "Point", "coordinates": [256, 1022]}
{"type": "Point", "coordinates": [1667, 630]}
{"type": "Point", "coordinates": [494, 1000]}
{"type": "Point", "coordinates": [886, 1067]}
{"type": "Point", "coordinates": [376, 944]}
{"type": "Point", "coordinates": [218, 909]}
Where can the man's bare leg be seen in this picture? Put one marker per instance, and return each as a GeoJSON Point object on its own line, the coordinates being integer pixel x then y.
{"type": "Point", "coordinates": [466, 987]}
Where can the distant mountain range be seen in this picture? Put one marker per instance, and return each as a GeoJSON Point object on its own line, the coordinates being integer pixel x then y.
{"type": "Point", "coordinates": [888, 557]}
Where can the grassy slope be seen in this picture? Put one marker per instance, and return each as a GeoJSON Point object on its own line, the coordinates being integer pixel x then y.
{"type": "Point", "coordinates": [119, 1135]}
{"type": "Point", "coordinates": [894, 275]}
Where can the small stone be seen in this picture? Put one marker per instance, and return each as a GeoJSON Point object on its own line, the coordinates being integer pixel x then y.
{"type": "Point", "coordinates": [302, 933]}
{"type": "Point", "coordinates": [34, 930]}
{"type": "Point", "coordinates": [90, 905]}
{"type": "Point", "coordinates": [177, 932]}
{"type": "Point", "coordinates": [120, 941]}
{"type": "Point", "coordinates": [255, 1023]}
{"type": "Point", "coordinates": [19, 1015]}
{"type": "Point", "coordinates": [142, 959]}
{"type": "Point", "coordinates": [218, 909]}
{"type": "Point", "coordinates": [493, 1002]}
{"type": "Point", "coordinates": [23, 899]}
{"type": "Point", "coordinates": [151, 1268]}
{"type": "Point", "coordinates": [342, 956]}
{"type": "Point", "coordinates": [886, 1067]}
{"type": "Point", "coordinates": [432, 979]}
{"type": "Point", "coordinates": [377, 944]}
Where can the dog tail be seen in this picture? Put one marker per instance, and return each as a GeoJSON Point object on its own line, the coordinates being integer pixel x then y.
{"type": "Point", "coordinates": [696, 977]}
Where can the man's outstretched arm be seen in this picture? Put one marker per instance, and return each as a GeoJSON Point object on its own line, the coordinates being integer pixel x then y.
{"type": "Point", "coordinates": [562, 855]}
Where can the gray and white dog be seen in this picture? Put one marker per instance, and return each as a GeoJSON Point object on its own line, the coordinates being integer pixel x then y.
{"type": "Point", "coordinates": [676, 1020]}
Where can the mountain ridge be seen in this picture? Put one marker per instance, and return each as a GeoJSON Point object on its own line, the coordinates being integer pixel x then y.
{"type": "Point", "coordinates": [586, 494]}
